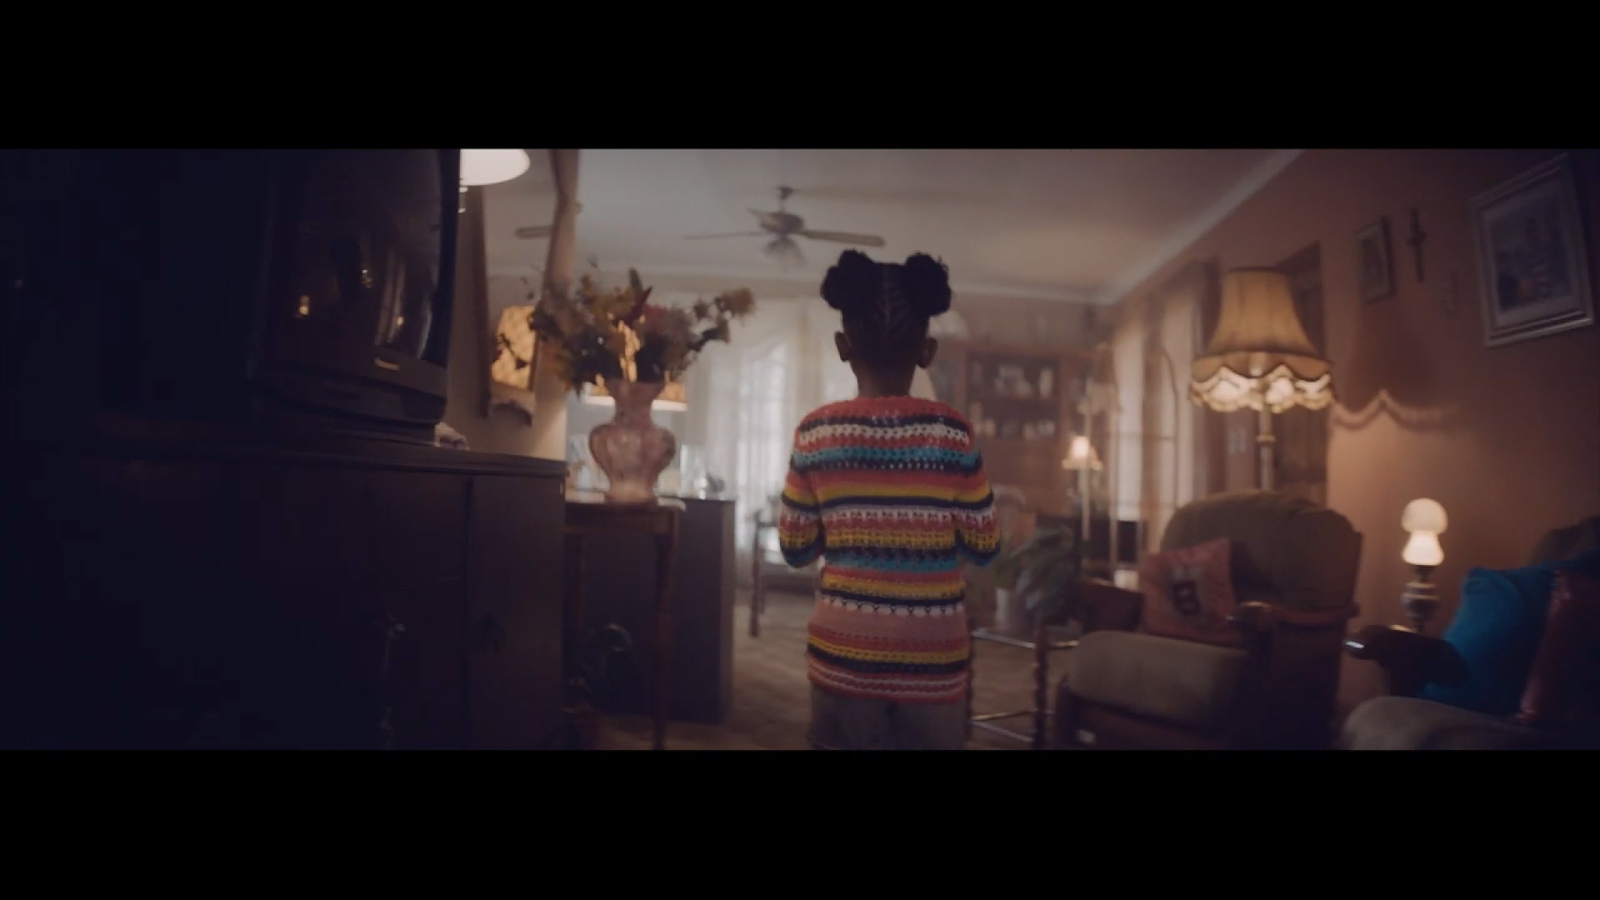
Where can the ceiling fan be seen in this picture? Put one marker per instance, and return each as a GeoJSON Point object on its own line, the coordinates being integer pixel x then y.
{"type": "Point", "coordinates": [784, 227]}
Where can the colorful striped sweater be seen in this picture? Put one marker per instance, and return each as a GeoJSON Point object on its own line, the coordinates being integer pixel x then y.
{"type": "Point", "coordinates": [891, 493]}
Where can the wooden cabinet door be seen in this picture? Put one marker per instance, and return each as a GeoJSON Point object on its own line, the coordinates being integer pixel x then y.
{"type": "Point", "coordinates": [357, 583]}
{"type": "Point", "coordinates": [514, 677]}
{"type": "Point", "coordinates": [120, 577]}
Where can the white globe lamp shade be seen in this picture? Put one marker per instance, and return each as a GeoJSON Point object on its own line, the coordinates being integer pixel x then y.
{"type": "Point", "coordinates": [1424, 520]}
{"type": "Point", "coordinates": [482, 167]}
{"type": "Point", "coordinates": [1424, 515]}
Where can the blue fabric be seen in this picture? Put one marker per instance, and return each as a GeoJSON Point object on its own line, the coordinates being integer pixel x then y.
{"type": "Point", "coordinates": [1496, 630]}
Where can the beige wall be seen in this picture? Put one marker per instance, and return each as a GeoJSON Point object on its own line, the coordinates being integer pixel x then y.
{"type": "Point", "coordinates": [1506, 438]}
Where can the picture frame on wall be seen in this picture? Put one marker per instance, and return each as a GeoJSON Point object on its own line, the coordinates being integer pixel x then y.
{"type": "Point", "coordinates": [1373, 251]}
{"type": "Point", "coordinates": [1532, 255]}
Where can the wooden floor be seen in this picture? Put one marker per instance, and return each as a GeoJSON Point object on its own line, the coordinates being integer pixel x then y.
{"type": "Point", "coordinates": [772, 699]}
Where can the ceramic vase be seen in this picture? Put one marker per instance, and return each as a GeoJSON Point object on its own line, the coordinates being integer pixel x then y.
{"type": "Point", "coordinates": [631, 449]}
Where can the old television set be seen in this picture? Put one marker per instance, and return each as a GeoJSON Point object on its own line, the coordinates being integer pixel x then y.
{"type": "Point", "coordinates": [273, 288]}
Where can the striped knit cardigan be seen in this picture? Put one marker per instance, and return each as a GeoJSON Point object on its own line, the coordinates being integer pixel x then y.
{"type": "Point", "coordinates": [891, 492]}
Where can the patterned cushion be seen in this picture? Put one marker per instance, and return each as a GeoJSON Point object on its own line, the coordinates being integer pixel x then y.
{"type": "Point", "coordinates": [1188, 593]}
{"type": "Point", "coordinates": [1564, 678]}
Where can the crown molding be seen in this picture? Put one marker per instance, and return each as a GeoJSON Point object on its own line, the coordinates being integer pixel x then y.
{"type": "Point", "coordinates": [1197, 228]}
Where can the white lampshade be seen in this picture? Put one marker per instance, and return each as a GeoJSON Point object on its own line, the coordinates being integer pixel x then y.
{"type": "Point", "coordinates": [1425, 520]}
{"type": "Point", "coordinates": [1259, 356]}
{"type": "Point", "coordinates": [1080, 454]}
{"type": "Point", "coordinates": [481, 167]}
{"type": "Point", "coordinates": [1423, 514]}
{"type": "Point", "coordinates": [1423, 549]}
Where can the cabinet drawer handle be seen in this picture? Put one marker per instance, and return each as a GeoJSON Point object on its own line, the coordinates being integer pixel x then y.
{"type": "Point", "coordinates": [489, 633]}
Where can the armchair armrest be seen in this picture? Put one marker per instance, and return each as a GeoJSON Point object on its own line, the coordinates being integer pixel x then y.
{"type": "Point", "coordinates": [1260, 617]}
{"type": "Point", "coordinates": [1410, 660]}
{"type": "Point", "coordinates": [1110, 608]}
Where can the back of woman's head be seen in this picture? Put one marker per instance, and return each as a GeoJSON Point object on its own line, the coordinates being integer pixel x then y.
{"type": "Point", "coordinates": [886, 306]}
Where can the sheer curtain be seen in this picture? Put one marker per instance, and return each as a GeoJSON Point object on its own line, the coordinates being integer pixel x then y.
{"type": "Point", "coordinates": [1157, 427]}
{"type": "Point", "coordinates": [747, 396]}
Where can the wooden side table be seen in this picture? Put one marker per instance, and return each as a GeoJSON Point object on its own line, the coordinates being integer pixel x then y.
{"type": "Point", "coordinates": [758, 580]}
{"type": "Point", "coordinates": [1043, 644]}
{"type": "Point", "coordinates": [588, 517]}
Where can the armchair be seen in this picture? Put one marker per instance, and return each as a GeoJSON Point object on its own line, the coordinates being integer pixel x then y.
{"type": "Point", "coordinates": [1411, 661]}
{"type": "Point", "coordinates": [1293, 573]}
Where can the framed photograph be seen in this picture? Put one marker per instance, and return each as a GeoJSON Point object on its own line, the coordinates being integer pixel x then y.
{"type": "Point", "coordinates": [1377, 264]}
{"type": "Point", "coordinates": [1532, 256]}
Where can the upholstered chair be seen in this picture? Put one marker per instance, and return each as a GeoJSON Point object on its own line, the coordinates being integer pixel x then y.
{"type": "Point", "coordinates": [1264, 676]}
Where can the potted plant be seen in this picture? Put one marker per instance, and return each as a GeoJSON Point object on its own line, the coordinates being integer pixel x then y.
{"type": "Point", "coordinates": [1036, 582]}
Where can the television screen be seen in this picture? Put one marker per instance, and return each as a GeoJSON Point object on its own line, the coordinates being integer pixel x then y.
{"type": "Point", "coordinates": [364, 268]}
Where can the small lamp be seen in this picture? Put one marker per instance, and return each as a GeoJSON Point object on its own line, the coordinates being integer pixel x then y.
{"type": "Point", "coordinates": [1081, 457]}
{"type": "Point", "coordinates": [483, 167]}
{"type": "Point", "coordinates": [1260, 358]}
{"type": "Point", "coordinates": [1424, 520]}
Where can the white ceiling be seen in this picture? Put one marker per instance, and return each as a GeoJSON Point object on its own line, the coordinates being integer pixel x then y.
{"type": "Point", "coordinates": [1084, 225]}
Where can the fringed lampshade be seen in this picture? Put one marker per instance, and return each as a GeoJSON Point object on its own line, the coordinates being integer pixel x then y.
{"type": "Point", "coordinates": [1259, 357]}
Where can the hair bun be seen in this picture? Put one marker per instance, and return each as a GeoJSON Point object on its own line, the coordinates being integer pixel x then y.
{"type": "Point", "coordinates": [926, 282]}
{"type": "Point", "coordinates": [852, 282]}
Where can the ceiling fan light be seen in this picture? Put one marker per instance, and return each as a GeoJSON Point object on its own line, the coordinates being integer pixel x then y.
{"type": "Point", "coordinates": [784, 252]}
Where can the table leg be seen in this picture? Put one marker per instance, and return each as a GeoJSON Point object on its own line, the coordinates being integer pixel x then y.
{"type": "Point", "coordinates": [580, 711]}
{"type": "Point", "coordinates": [666, 545]}
{"type": "Point", "coordinates": [1041, 683]}
{"type": "Point", "coordinates": [972, 680]}
{"type": "Point", "coordinates": [573, 619]}
{"type": "Point", "coordinates": [756, 600]}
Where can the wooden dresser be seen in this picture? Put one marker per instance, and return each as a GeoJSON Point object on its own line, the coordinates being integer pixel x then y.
{"type": "Point", "coordinates": [208, 591]}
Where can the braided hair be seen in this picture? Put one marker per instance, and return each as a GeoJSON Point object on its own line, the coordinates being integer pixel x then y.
{"type": "Point", "coordinates": [886, 306]}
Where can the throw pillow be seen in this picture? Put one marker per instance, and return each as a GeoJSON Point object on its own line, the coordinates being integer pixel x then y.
{"type": "Point", "coordinates": [1188, 593]}
{"type": "Point", "coordinates": [1562, 685]}
{"type": "Point", "coordinates": [1496, 631]}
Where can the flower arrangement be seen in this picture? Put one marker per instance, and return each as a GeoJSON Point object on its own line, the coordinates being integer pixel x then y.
{"type": "Point", "coordinates": [597, 333]}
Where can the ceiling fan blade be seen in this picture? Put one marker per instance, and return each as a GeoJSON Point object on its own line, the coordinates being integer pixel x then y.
{"type": "Point", "coordinates": [703, 237]}
{"type": "Point", "coordinates": [530, 232]}
{"type": "Point", "coordinates": [844, 237]}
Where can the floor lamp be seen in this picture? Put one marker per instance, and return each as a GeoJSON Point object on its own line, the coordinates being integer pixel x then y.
{"type": "Point", "coordinates": [1260, 358]}
{"type": "Point", "coordinates": [1100, 398]}
{"type": "Point", "coordinates": [1082, 459]}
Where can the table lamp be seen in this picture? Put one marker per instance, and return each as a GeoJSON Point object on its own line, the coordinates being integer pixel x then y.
{"type": "Point", "coordinates": [1424, 520]}
{"type": "Point", "coordinates": [1260, 357]}
{"type": "Point", "coordinates": [485, 167]}
{"type": "Point", "coordinates": [480, 168]}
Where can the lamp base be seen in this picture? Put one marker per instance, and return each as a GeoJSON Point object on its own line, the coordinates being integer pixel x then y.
{"type": "Point", "coordinates": [1420, 601]}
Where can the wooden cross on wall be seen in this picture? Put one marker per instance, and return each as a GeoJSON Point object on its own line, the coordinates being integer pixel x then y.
{"type": "Point", "coordinates": [1416, 239]}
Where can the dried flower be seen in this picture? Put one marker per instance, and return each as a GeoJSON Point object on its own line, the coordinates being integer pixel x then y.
{"type": "Point", "coordinates": [596, 333]}
{"type": "Point", "coordinates": [737, 303]}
